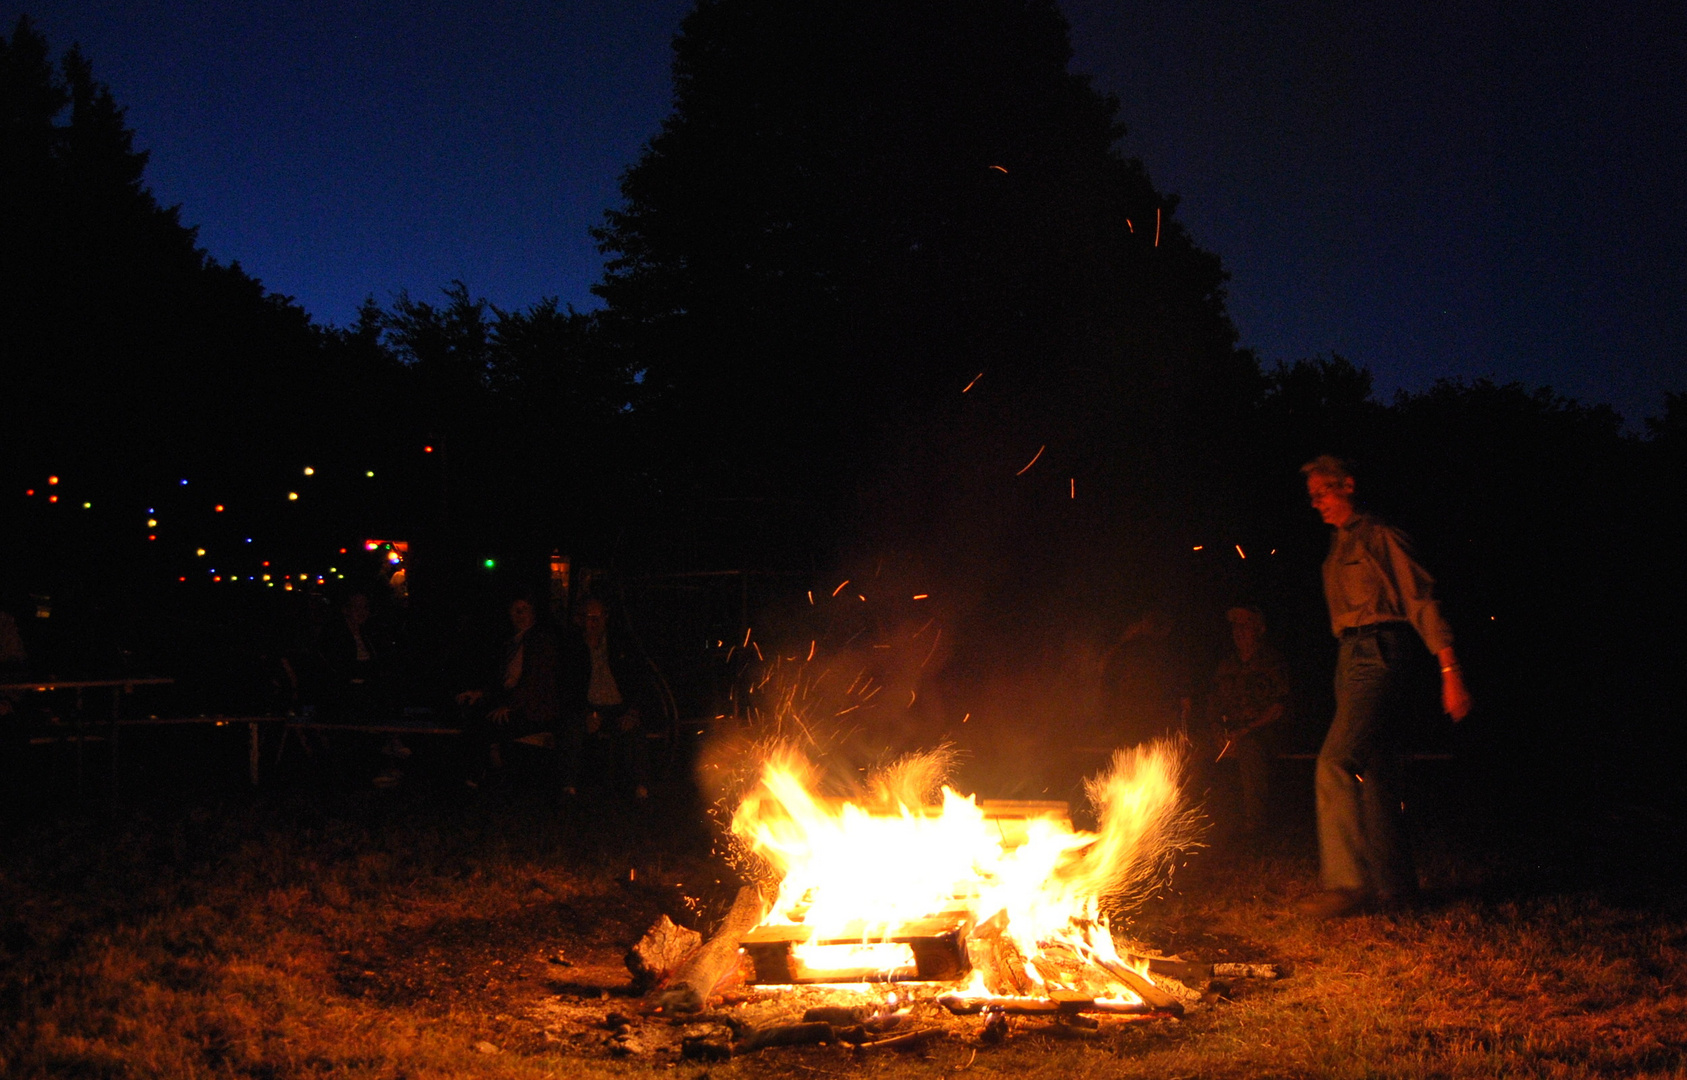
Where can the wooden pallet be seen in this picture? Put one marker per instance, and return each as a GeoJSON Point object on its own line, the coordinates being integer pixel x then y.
{"type": "Point", "coordinates": [1009, 817]}
{"type": "Point", "coordinates": [937, 946]}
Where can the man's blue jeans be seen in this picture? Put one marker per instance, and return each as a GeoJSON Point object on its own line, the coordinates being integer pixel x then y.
{"type": "Point", "coordinates": [1362, 841]}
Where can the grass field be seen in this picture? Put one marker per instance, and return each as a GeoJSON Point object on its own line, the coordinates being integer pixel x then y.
{"type": "Point", "coordinates": [430, 934]}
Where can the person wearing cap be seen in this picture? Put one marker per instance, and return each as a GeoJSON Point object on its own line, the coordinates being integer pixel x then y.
{"type": "Point", "coordinates": [1250, 698]}
{"type": "Point", "coordinates": [1377, 594]}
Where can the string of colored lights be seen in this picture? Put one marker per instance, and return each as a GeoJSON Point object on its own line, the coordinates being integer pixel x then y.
{"type": "Point", "coordinates": [396, 550]}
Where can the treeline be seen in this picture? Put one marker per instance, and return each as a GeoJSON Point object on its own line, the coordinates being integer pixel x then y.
{"type": "Point", "coordinates": [882, 284]}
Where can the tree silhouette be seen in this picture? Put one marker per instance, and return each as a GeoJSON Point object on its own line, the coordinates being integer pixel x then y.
{"type": "Point", "coordinates": [120, 332]}
{"type": "Point", "coordinates": [857, 207]}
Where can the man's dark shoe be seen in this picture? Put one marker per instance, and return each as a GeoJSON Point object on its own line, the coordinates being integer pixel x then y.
{"type": "Point", "coordinates": [1336, 904]}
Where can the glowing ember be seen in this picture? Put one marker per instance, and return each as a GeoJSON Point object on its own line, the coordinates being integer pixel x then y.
{"type": "Point", "coordinates": [860, 879]}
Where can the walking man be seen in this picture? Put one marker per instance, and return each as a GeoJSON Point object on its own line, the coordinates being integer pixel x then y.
{"type": "Point", "coordinates": [1377, 595]}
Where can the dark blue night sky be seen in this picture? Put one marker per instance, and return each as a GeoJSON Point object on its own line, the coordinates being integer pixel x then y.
{"type": "Point", "coordinates": [1430, 190]}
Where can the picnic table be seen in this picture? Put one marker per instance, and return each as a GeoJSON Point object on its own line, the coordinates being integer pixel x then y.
{"type": "Point", "coordinates": [118, 686]}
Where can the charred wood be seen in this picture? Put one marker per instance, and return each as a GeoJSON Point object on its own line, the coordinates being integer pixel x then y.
{"type": "Point", "coordinates": [787, 1035]}
{"type": "Point", "coordinates": [908, 1040]}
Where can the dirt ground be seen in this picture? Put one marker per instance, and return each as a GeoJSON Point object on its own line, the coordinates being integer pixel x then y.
{"type": "Point", "coordinates": [415, 935]}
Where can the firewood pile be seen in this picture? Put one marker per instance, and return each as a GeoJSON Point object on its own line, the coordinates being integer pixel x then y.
{"type": "Point", "coordinates": [742, 991]}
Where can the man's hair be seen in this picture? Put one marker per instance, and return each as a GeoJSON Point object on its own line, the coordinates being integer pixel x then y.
{"type": "Point", "coordinates": [1329, 465]}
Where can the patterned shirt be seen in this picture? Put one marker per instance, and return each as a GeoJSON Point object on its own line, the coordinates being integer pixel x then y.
{"type": "Point", "coordinates": [1244, 690]}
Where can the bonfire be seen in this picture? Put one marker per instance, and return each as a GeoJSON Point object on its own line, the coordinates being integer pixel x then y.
{"type": "Point", "coordinates": [983, 908]}
{"type": "Point", "coordinates": [1008, 898]}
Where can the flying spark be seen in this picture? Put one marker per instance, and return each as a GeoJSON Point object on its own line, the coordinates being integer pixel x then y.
{"type": "Point", "coordinates": [1033, 460]}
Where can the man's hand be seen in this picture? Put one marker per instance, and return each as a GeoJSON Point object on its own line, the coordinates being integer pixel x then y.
{"type": "Point", "coordinates": [500, 715]}
{"type": "Point", "coordinates": [1455, 696]}
{"type": "Point", "coordinates": [469, 697]}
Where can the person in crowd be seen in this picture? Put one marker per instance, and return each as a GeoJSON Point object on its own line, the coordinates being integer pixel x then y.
{"type": "Point", "coordinates": [353, 669]}
{"type": "Point", "coordinates": [14, 658]}
{"type": "Point", "coordinates": [524, 696]}
{"type": "Point", "coordinates": [1378, 595]}
{"type": "Point", "coordinates": [1148, 681]}
{"type": "Point", "coordinates": [353, 659]}
{"type": "Point", "coordinates": [612, 694]}
{"type": "Point", "coordinates": [1250, 698]}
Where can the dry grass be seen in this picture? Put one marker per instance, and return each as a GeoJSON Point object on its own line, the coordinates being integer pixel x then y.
{"type": "Point", "coordinates": [401, 938]}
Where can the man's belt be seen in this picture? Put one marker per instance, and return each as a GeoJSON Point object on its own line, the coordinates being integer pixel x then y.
{"type": "Point", "coordinates": [1350, 633]}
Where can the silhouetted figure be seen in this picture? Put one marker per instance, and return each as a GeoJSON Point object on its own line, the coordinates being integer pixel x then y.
{"type": "Point", "coordinates": [14, 658]}
{"type": "Point", "coordinates": [353, 661]}
{"type": "Point", "coordinates": [1148, 681]}
{"type": "Point", "coordinates": [612, 695]}
{"type": "Point", "coordinates": [14, 738]}
{"type": "Point", "coordinates": [524, 696]}
{"type": "Point", "coordinates": [1377, 595]}
{"type": "Point", "coordinates": [1250, 698]}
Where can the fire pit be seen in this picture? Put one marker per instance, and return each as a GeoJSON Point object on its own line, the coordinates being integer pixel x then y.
{"type": "Point", "coordinates": [985, 909]}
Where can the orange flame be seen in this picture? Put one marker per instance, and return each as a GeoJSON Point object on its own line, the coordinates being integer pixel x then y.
{"type": "Point", "coordinates": [858, 868]}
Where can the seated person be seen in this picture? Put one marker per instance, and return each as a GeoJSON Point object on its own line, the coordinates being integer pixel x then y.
{"type": "Point", "coordinates": [609, 694]}
{"type": "Point", "coordinates": [523, 697]}
{"type": "Point", "coordinates": [352, 659]}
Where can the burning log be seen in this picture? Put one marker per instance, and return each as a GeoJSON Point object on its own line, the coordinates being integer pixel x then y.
{"type": "Point", "coordinates": [937, 946]}
{"type": "Point", "coordinates": [694, 980]}
{"type": "Point", "coordinates": [999, 960]}
{"type": "Point", "coordinates": [1057, 1003]}
{"type": "Point", "coordinates": [1142, 986]}
{"type": "Point", "coordinates": [1193, 974]}
{"type": "Point", "coordinates": [1059, 964]}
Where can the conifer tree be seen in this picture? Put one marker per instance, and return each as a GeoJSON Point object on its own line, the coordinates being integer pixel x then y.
{"type": "Point", "coordinates": [856, 207]}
